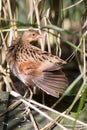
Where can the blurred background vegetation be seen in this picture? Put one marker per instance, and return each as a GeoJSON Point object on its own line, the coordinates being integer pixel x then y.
{"type": "Point", "coordinates": [64, 24]}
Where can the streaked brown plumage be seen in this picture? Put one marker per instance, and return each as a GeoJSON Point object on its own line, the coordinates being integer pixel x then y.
{"type": "Point", "coordinates": [34, 66]}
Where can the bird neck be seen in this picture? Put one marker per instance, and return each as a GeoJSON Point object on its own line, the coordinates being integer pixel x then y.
{"type": "Point", "coordinates": [34, 42]}
{"type": "Point", "coordinates": [25, 41]}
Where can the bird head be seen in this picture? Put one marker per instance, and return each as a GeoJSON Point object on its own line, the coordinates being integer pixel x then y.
{"type": "Point", "coordinates": [31, 35]}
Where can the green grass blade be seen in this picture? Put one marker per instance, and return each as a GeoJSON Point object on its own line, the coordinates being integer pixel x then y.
{"type": "Point", "coordinates": [82, 100]}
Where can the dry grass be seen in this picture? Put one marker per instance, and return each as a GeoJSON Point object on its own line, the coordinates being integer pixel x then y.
{"type": "Point", "coordinates": [39, 13]}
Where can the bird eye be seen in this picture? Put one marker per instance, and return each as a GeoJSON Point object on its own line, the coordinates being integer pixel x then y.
{"type": "Point", "coordinates": [33, 34]}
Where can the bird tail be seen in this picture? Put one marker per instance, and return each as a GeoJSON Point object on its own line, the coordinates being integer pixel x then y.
{"type": "Point", "coordinates": [53, 83]}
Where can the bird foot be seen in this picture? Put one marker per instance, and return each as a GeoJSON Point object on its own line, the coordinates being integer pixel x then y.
{"type": "Point", "coordinates": [26, 110]}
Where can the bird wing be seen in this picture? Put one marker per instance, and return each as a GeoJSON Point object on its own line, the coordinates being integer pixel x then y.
{"type": "Point", "coordinates": [46, 60]}
{"type": "Point", "coordinates": [44, 70]}
{"type": "Point", "coordinates": [38, 67]}
{"type": "Point", "coordinates": [53, 83]}
{"type": "Point", "coordinates": [38, 54]}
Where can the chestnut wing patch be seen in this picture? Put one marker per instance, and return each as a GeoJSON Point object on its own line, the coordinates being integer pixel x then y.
{"type": "Point", "coordinates": [28, 67]}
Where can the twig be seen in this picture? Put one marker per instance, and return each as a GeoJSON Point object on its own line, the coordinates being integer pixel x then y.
{"type": "Point", "coordinates": [34, 108]}
{"type": "Point", "coordinates": [20, 30]}
{"type": "Point", "coordinates": [45, 107]}
{"type": "Point", "coordinates": [84, 60]}
{"type": "Point", "coordinates": [50, 125]}
{"type": "Point", "coordinates": [38, 21]}
{"type": "Point", "coordinates": [71, 6]}
{"type": "Point", "coordinates": [48, 39]}
{"type": "Point", "coordinates": [10, 12]}
{"type": "Point", "coordinates": [33, 120]}
{"type": "Point", "coordinates": [56, 112]}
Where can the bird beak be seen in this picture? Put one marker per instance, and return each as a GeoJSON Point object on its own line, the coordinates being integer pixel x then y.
{"type": "Point", "coordinates": [40, 36]}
